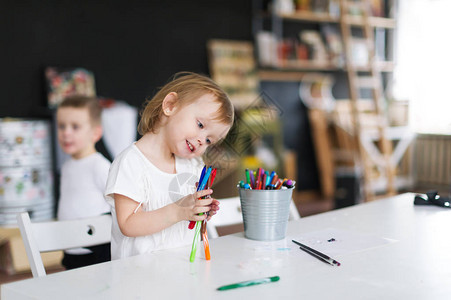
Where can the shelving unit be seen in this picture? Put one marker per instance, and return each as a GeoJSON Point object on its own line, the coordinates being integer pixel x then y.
{"type": "Point", "coordinates": [277, 21]}
{"type": "Point", "coordinates": [318, 17]}
{"type": "Point", "coordinates": [358, 47]}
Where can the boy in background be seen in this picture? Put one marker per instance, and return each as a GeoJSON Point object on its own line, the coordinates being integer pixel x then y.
{"type": "Point", "coordinates": [84, 175]}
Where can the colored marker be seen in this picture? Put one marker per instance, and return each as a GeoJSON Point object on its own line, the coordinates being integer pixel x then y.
{"type": "Point", "coordinates": [205, 179]}
{"type": "Point", "coordinates": [198, 223]}
{"type": "Point", "coordinates": [213, 175]}
{"type": "Point", "coordinates": [247, 176]}
{"type": "Point", "coordinates": [200, 186]}
{"type": "Point", "coordinates": [202, 174]}
{"type": "Point", "coordinates": [201, 179]}
{"type": "Point", "coordinates": [290, 183]}
{"type": "Point", "coordinates": [267, 178]}
{"type": "Point", "coordinates": [274, 179]}
{"type": "Point", "coordinates": [194, 245]}
{"type": "Point", "coordinates": [273, 173]}
{"type": "Point", "coordinates": [259, 174]}
{"type": "Point", "coordinates": [252, 183]}
{"type": "Point", "coordinates": [249, 283]}
{"type": "Point", "coordinates": [257, 184]}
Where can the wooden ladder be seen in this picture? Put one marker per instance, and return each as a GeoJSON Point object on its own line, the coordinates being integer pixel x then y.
{"type": "Point", "coordinates": [362, 78]}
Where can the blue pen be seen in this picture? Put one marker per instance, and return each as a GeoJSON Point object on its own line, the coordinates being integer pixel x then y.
{"type": "Point", "coordinates": [202, 174]}
{"type": "Point", "coordinates": [205, 179]}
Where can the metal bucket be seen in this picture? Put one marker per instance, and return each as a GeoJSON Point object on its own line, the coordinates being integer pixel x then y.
{"type": "Point", "coordinates": [265, 213]}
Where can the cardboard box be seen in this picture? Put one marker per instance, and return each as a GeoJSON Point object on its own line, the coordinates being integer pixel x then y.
{"type": "Point", "coordinates": [13, 257]}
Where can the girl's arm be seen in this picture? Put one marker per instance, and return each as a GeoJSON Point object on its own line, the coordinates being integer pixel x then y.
{"type": "Point", "coordinates": [144, 223]}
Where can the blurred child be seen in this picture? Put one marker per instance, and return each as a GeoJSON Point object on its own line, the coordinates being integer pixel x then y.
{"type": "Point", "coordinates": [84, 175]}
{"type": "Point", "coordinates": [177, 125]}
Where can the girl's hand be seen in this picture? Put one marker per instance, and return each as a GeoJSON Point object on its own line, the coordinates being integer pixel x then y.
{"type": "Point", "coordinates": [214, 208]}
{"type": "Point", "coordinates": [191, 206]}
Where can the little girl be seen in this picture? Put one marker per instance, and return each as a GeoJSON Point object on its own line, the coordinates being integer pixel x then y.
{"type": "Point", "coordinates": [151, 183]}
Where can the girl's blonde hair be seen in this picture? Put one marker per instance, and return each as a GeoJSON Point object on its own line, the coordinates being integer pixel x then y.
{"type": "Point", "coordinates": [189, 87]}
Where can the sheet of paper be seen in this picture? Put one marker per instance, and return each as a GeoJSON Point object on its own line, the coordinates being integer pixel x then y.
{"type": "Point", "coordinates": [334, 241]}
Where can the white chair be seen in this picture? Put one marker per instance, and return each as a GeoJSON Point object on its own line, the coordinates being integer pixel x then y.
{"type": "Point", "coordinates": [230, 214]}
{"type": "Point", "coordinates": [61, 235]}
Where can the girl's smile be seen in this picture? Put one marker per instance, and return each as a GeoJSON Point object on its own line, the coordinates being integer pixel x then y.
{"type": "Point", "coordinates": [190, 146]}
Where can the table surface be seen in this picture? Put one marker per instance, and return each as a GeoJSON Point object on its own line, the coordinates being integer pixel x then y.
{"type": "Point", "coordinates": [414, 262]}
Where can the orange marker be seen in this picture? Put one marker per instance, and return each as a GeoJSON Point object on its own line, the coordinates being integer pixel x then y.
{"type": "Point", "coordinates": [281, 184]}
{"type": "Point", "coordinates": [206, 244]}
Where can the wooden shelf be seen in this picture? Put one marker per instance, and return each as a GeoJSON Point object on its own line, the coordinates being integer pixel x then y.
{"type": "Point", "coordinates": [376, 22]}
{"type": "Point", "coordinates": [295, 70]}
{"type": "Point", "coordinates": [306, 16]}
{"type": "Point", "coordinates": [307, 65]}
{"type": "Point", "coordinates": [382, 66]}
{"type": "Point", "coordinates": [277, 75]}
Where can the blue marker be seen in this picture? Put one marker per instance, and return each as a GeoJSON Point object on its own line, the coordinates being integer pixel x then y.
{"type": "Point", "coordinates": [202, 174]}
{"type": "Point", "coordinates": [205, 179]}
{"type": "Point", "coordinates": [271, 176]}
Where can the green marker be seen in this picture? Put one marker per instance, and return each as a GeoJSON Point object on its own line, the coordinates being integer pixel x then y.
{"type": "Point", "coordinates": [249, 283]}
{"type": "Point", "coordinates": [247, 176]}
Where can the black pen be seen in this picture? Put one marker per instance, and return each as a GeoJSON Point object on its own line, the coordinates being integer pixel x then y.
{"type": "Point", "coordinates": [321, 256]}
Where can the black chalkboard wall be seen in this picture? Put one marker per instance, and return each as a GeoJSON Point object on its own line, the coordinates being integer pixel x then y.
{"type": "Point", "coordinates": [132, 47]}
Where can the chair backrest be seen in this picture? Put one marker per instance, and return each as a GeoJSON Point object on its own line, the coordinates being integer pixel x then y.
{"type": "Point", "coordinates": [61, 235]}
{"type": "Point", "coordinates": [230, 214]}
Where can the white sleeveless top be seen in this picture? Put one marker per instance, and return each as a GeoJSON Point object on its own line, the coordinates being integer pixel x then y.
{"type": "Point", "coordinates": [134, 176]}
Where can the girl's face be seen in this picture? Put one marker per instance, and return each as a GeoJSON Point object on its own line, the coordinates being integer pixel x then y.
{"type": "Point", "coordinates": [190, 129]}
{"type": "Point", "coordinates": [76, 135]}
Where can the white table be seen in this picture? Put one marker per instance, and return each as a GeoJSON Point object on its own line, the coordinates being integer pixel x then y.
{"type": "Point", "coordinates": [415, 264]}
